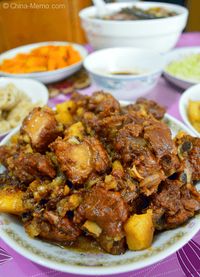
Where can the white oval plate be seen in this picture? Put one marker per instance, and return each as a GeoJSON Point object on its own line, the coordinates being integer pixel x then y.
{"type": "Point", "coordinates": [35, 90]}
{"type": "Point", "coordinates": [52, 256]}
{"type": "Point", "coordinates": [175, 55]}
{"type": "Point", "coordinates": [47, 76]}
{"type": "Point", "coordinates": [192, 93]}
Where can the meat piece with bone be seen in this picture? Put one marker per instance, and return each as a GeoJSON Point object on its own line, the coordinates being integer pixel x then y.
{"type": "Point", "coordinates": [53, 228]}
{"type": "Point", "coordinates": [79, 159]}
{"type": "Point", "coordinates": [103, 104]}
{"type": "Point", "coordinates": [189, 153]}
{"type": "Point", "coordinates": [106, 208]}
{"type": "Point", "coordinates": [27, 166]}
{"type": "Point", "coordinates": [162, 145]}
{"type": "Point", "coordinates": [148, 107]}
{"type": "Point", "coordinates": [174, 204]}
{"type": "Point", "coordinates": [109, 211]}
{"type": "Point", "coordinates": [41, 128]}
{"type": "Point", "coordinates": [6, 151]}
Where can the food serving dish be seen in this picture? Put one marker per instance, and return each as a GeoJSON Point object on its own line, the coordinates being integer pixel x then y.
{"type": "Point", "coordinates": [46, 76]}
{"type": "Point", "coordinates": [178, 55]}
{"type": "Point", "coordinates": [35, 90]}
{"type": "Point", "coordinates": [77, 262]}
{"type": "Point", "coordinates": [157, 34]}
{"type": "Point", "coordinates": [128, 72]}
{"type": "Point", "coordinates": [193, 93]}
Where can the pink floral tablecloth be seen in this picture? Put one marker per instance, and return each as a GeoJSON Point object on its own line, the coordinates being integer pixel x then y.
{"type": "Point", "coordinates": [177, 265]}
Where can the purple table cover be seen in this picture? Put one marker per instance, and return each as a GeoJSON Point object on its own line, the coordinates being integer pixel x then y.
{"type": "Point", "coordinates": [186, 262]}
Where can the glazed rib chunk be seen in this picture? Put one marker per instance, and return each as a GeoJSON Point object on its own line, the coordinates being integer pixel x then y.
{"type": "Point", "coordinates": [174, 204]}
{"type": "Point", "coordinates": [106, 208]}
{"type": "Point", "coordinates": [148, 107]}
{"type": "Point", "coordinates": [162, 145]}
{"type": "Point", "coordinates": [52, 228]}
{"type": "Point", "coordinates": [41, 128]}
{"type": "Point", "coordinates": [103, 104]}
{"type": "Point", "coordinates": [109, 211]}
{"type": "Point", "coordinates": [27, 166]}
{"type": "Point", "coordinates": [60, 226]}
{"type": "Point", "coordinates": [100, 158]}
{"type": "Point", "coordinates": [189, 149]}
{"type": "Point", "coordinates": [75, 159]}
{"type": "Point", "coordinates": [6, 152]}
{"type": "Point", "coordinates": [79, 159]}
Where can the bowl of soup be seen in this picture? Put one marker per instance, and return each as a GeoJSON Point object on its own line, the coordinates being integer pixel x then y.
{"type": "Point", "coordinates": [151, 25]}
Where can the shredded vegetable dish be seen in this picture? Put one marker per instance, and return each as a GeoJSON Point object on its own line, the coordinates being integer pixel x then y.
{"type": "Point", "coordinates": [187, 68]}
{"type": "Point", "coordinates": [95, 171]}
{"type": "Point", "coordinates": [44, 58]}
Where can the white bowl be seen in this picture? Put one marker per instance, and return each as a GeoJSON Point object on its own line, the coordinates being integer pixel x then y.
{"type": "Point", "coordinates": [158, 34]}
{"type": "Point", "coordinates": [192, 93]}
{"type": "Point", "coordinates": [35, 90]}
{"type": "Point", "coordinates": [125, 59]}
{"type": "Point", "coordinates": [77, 262]}
{"type": "Point", "coordinates": [175, 55]}
{"type": "Point", "coordinates": [47, 76]}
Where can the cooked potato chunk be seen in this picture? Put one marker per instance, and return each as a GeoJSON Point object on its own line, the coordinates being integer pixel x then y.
{"type": "Point", "coordinates": [75, 130]}
{"type": "Point", "coordinates": [64, 117]}
{"type": "Point", "coordinates": [74, 201]}
{"type": "Point", "coordinates": [194, 114]}
{"type": "Point", "coordinates": [92, 228]}
{"type": "Point", "coordinates": [11, 201]}
{"type": "Point", "coordinates": [69, 106]}
{"type": "Point", "coordinates": [196, 125]}
{"type": "Point", "coordinates": [64, 112]}
{"type": "Point", "coordinates": [117, 169]}
{"type": "Point", "coordinates": [110, 182]}
{"type": "Point", "coordinates": [194, 110]}
{"type": "Point", "coordinates": [139, 231]}
{"type": "Point", "coordinates": [80, 111]}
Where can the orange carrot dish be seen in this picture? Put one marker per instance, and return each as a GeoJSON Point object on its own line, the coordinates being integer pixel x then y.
{"type": "Point", "coordinates": [44, 58]}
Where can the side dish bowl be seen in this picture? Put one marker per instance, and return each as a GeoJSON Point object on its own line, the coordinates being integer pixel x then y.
{"type": "Point", "coordinates": [126, 72]}
{"type": "Point", "coordinates": [35, 90]}
{"type": "Point", "coordinates": [177, 55]}
{"type": "Point", "coordinates": [158, 34]}
{"type": "Point", "coordinates": [192, 93]}
{"type": "Point", "coordinates": [46, 76]}
{"type": "Point", "coordinates": [52, 256]}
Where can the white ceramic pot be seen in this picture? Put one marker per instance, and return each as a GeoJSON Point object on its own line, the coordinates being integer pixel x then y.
{"type": "Point", "coordinates": [158, 34]}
